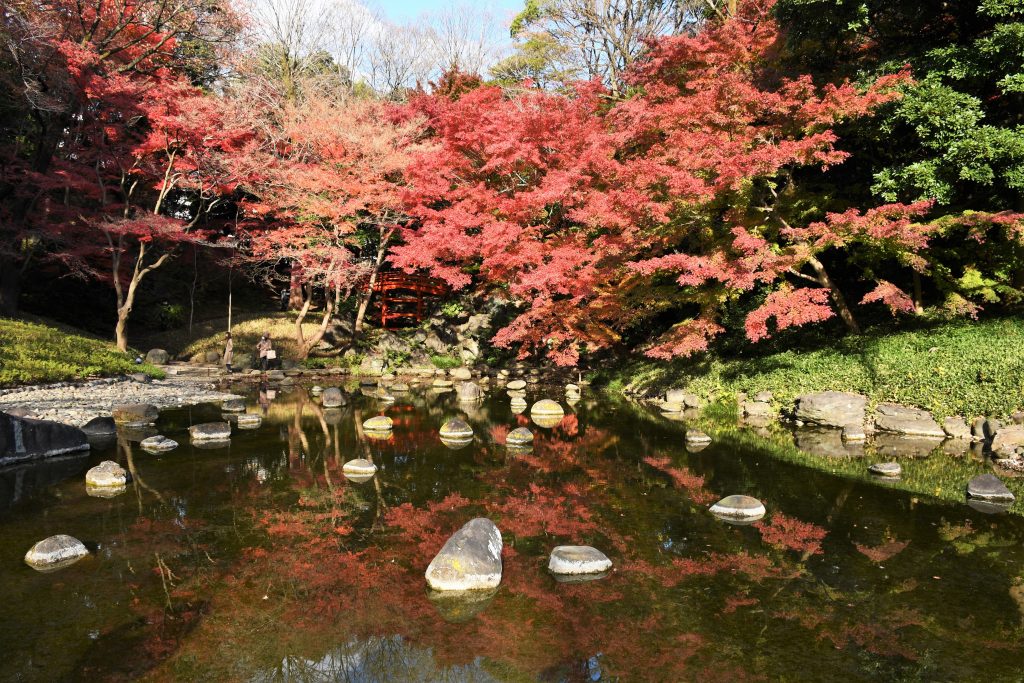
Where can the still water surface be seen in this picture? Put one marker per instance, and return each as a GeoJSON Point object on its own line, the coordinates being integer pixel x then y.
{"type": "Point", "coordinates": [259, 561]}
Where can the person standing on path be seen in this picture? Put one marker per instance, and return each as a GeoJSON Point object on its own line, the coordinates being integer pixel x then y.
{"type": "Point", "coordinates": [229, 352]}
{"type": "Point", "coordinates": [263, 347]}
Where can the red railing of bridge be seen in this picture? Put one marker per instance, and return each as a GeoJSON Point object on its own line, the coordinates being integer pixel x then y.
{"type": "Point", "coordinates": [403, 296]}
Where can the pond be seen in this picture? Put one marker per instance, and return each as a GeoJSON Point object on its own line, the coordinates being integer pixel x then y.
{"type": "Point", "coordinates": [260, 561]}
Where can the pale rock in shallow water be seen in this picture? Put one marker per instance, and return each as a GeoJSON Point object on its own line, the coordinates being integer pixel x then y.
{"type": "Point", "coordinates": [380, 423]}
{"type": "Point", "coordinates": [248, 421]}
{"type": "Point", "coordinates": [108, 474]}
{"type": "Point", "coordinates": [739, 508]}
{"type": "Point", "coordinates": [578, 559]}
{"type": "Point", "coordinates": [469, 560]}
{"type": "Point", "coordinates": [55, 552]}
{"type": "Point", "coordinates": [456, 430]}
{"type": "Point", "coordinates": [519, 436]}
{"type": "Point", "coordinates": [694, 436]}
{"type": "Point", "coordinates": [210, 431]}
{"type": "Point", "coordinates": [886, 469]}
{"type": "Point", "coordinates": [547, 408]}
{"type": "Point", "coordinates": [158, 444]}
{"type": "Point", "coordinates": [359, 470]}
{"type": "Point", "coordinates": [516, 385]}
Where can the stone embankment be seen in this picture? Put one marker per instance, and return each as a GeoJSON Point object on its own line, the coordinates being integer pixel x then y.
{"type": "Point", "coordinates": [78, 403]}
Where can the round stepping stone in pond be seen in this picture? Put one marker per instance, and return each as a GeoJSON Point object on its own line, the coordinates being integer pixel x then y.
{"type": "Point", "coordinates": [518, 405]}
{"type": "Point", "coordinates": [332, 398]}
{"type": "Point", "coordinates": [249, 421]}
{"type": "Point", "coordinates": [738, 508]}
{"type": "Point", "coordinates": [55, 552]}
{"type": "Point", "coordinates": [442, 384]}
{"type": "Point", "coordinates": [886, 469]}
{"type": "Point", "coordinates": [469, 560]}
{"type": "Point", "coordinates": [158, 444]}
{"type": "Point", "coordinates": [694, 436]}
{"type": "Point", "coordinates": [210, 431]}
{"type": "Point", "coordinates": [233, 405]}
{"type": "Point", "coordinates": [516, 385]}
{"type": "Point", "coordinates": [359, 470]}
{"type": "Point", "coordinates": [578, 559]}
{"type": "Point", "coordinates": [547, 408]}
{"type": "Point", "coordinates": [519, 436]}
{"type": "Point", "coordinates": [989, 488]}
{"type": "Point", "coordinates": [108, 474]}
{"type": "Point", "coordinates": [379, 423]}
{"type": "Point", "coordinates": [316, 390]}
{"type": "Point", "coordinates": [456, 430]}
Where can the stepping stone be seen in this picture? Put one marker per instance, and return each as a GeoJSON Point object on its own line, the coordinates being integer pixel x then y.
{"type": "Point", "coordinates": [547, 408]}
{"type": "Point", "coordinates": [578, 559]}
{"type": "Point", "coordinates": [988, 487]}
{"type": "Point", "coordinates": [456, 430]}
{"type": "Point", "coordinates": [158, 444]}
{"type": "Point", "coordinates": [516, 385]}
{"type": "Point", "coordinates": [740, 508]}
{"type": "Point", "coordinates": [886, 469]}
{"type": "Point", "coordinates": [55, 552]}
{"type": "Point", "coordinates": [108, 474]}
{"type": "Point", "coordinates": [380, 423]}
{"type": "Point", "coordinates": [210, 431]}
{"type": "Point", "coordinates": [694, 436]}
{"type": "Point", "coordinates": [519, 436]}
{"type": "Point", "coordinates": [233, 405]}
{"type": "Point", "coordinates": [359, 470]}
{"type": "Point", "coordinates": [469, 560]}
{"type": "Point", "coordinates": [249, 421]}
{"type": "Point", "coordinates": [332, 398]}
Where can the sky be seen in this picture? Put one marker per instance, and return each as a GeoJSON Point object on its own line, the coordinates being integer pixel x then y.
{"type": "Point", "coordinates": [404, 10]}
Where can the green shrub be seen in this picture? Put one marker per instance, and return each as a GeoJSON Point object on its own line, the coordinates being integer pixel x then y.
{"type": "Point", "coordinates": [445, 362]}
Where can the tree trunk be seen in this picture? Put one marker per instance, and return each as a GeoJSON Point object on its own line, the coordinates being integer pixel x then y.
{"type": "Point", "coordinates": [918, 297]}
{"type": "Point", "coordinates": [305, 346]}
{"type": "Point", "coordinates": [295, 297]}
{"type": "Point", "coordinates": [364, 303]}
{"type": "Point", "coordinates": [837, 296]}
{"type": "Point", "coordinates": [10, 286]}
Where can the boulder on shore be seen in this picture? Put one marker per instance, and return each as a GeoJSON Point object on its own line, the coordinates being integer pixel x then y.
{"type": "Point", "coordinates": [1007, 439]}
{"type": "Point", "coordinates": [100, 426]}
{"type": "Point", "coordinates": [831, 408]}
{"type": "Point", "coordinates": [27, 439]}
{"type": "Point", "coordinates": [469, 560]}
{"type": "Point", "coordinates": [157, 357]}
{"type": "Point", "coordinates": [900, 419]}
{"type": "Point", "coordinates": [135, 414]}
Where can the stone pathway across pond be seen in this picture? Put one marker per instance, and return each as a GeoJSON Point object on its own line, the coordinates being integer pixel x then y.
{"type": "Point", "coordinates": [77, 403]}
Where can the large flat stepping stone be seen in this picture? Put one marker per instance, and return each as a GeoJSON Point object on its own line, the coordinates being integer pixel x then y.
{"type": "Point", "coordinates": [578, 559]}
{"type": "Point", "coordinates": [210, 431]}
{"type": "Point", "coordinates": [158, 444]}
{"type": "Point", "coordinates": [108, 474]}
{"type": "Point", "coordinates": [886, 469]}
{"type": "Point", "coordinates": [738, 508]}
{"type": "Point", "coordinates": [900, 419]}
{"type": "Point", "coordinates": [55, 552]}
{"type": "Point", "coordinates": [469, 560]}
{"type": "Point", "coordinates": [456, 429]}
{"type": "Point", "coordinates": [988, 487]}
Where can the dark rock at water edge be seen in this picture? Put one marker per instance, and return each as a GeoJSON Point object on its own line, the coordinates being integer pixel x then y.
{"type": "Point", "coordinates": [990, 488]}
{"type": "Point", "coordinates": [27, 439]}
{"type": "Point", "coordinates": [100, 426]}
{"type": "Point", "coordinates": [135, 414]}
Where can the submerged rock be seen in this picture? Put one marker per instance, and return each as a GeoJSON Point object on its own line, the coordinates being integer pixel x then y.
{"type": "Point", "coordinates": [989, 488]}
{"type": "Point", "coordinates": [739, 508]}
{"type": "Point", "coordinates": [158, 444]}
{"type": "Point", "coordinates": [469, 560]}
{"type": "Point", "coordinates": [578, 559]}
{"type": "Point", "coordinates": [210, 431]}
{"type": "Point", "coordinates": [456, 429]}
{"type": "Point", "coordinates": [55, 552]}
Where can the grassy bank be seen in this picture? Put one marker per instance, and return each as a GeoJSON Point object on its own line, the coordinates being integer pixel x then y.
{"type": "Point", "coordinates": [246, 331]}
{"type": "Point", "coordinates": [34, 352]}
{"type": "Point", "coordinates": [965, 368]}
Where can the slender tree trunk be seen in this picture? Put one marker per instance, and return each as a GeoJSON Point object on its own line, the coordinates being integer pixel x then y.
{"type": "Point", "coordinates": [10, 286]}
{"type": "Point", "coordinates": [837, 296]}
{"type": "Point", "coordinates": [918, 297]}
{"type": "Point", "coordinates": [364, 303]}
{"type": "Point", "coordinates": [295, 297]}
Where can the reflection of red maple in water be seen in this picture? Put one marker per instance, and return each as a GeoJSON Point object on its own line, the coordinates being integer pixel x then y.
{"type": "Point", "coordinates": [792, 534]}
{"type": "Point", "coordinates": [683, 478]}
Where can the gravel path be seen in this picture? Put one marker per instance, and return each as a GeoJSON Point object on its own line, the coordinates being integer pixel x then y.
{"type": "Point", "coordinates": [77, 403]}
